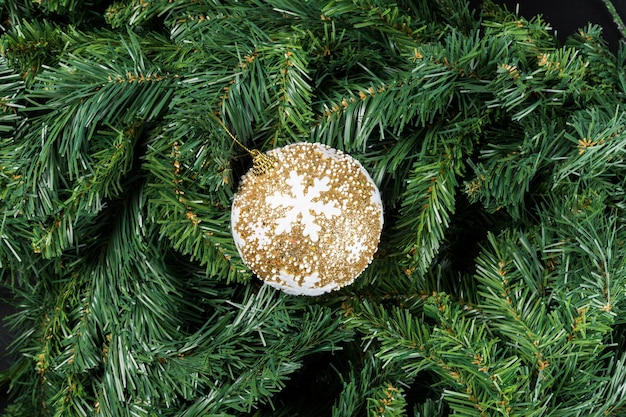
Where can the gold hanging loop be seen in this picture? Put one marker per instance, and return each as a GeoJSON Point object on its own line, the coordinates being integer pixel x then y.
{"type": "Point", "coordinates": [261, 162]}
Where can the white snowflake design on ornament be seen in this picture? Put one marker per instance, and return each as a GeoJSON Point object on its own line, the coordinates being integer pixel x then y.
{"type": "Point", "coordinates": [261, 233]}
{"type": "Point", "coordinates": [301, 204]}
{"type": "Point", "coordinates": [354, 250]}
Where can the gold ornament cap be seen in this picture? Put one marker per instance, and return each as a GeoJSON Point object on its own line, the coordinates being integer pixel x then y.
{"type": "Point", "coordinates": [310, 224]}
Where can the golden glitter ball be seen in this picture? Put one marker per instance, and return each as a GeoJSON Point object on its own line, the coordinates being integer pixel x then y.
{"type": "Point", "coordinates": [312, 223]}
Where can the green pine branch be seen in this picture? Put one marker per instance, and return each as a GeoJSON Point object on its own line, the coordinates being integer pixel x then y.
{"type": "Point", "coordinates": [498, 285]}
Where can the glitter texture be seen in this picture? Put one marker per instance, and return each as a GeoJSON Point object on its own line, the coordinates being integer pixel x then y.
{"type": "Point", "coordinates": [312, 223]}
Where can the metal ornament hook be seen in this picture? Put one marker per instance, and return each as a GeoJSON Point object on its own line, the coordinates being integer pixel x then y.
{"type": "Point", "coordinates": [261, 162]}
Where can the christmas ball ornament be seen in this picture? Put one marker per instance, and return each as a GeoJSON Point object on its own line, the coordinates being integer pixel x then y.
{"type": "Point", "coordinates": [310, 222]}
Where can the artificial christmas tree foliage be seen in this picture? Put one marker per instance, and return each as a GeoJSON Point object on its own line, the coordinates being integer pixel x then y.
{"type": "Point", "coordinates": [496, 286]}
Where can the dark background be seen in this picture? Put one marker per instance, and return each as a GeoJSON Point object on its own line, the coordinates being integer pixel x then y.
{"type": "Point", "coordinates": [565, 17]}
